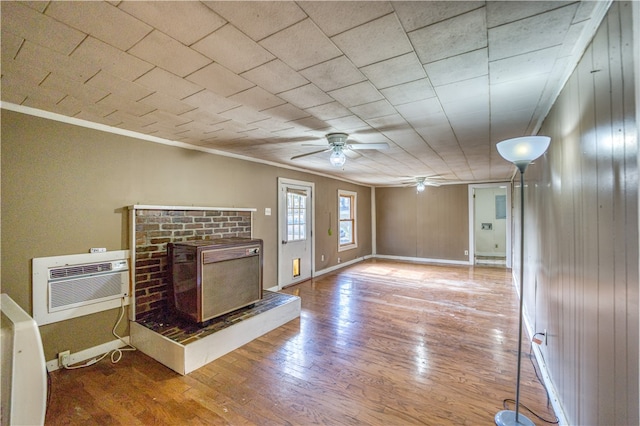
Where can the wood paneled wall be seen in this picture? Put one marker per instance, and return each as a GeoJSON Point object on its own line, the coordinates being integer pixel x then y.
{"type": "Point", "coordinates": [433, 224]}
{"type": "Point", "coordinates": [581, 238]}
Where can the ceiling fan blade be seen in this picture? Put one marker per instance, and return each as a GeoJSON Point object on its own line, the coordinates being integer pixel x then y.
{"type": "Point", "coordinates": [310, 153]}
{"type": "Point", "coordinates": [355, 146]}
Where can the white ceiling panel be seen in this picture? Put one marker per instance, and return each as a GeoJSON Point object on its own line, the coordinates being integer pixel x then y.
{"type": "Point", "coordinates": [232, 49]}
{"type": "Point", "coordinates": [301, 45]}
{"type": "Point", "coordinates": [440, 82]}
{"type": "Point", "coordinates": [334, 74]}
{"type": "Point", "coordinates": [461, 34]}
{"type": "Point", "coordinates": [457, 68]}
{"type": "Point", "coordinates": [258, 19]}
{"type": "Point", "coordinates": [374, 41]}
{"type": "Point", "coordinates": [169, 54]}
{"type": "Point", "coordinates": [530, 34]}
{"type": "Point", "coordinates": [101, 20]}
{"type": "Point", "coordinates": [192, 23]}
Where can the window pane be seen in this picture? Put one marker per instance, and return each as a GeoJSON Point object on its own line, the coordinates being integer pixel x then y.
{"type": "Point", "coordinates": [296, 216]}
{"type": "Point", "coordinates": [346, 232]}
{"type": "Point", "coordinates": [345, 207]}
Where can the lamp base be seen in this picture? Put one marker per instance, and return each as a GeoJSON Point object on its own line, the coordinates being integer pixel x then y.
{"type": "Point", "coordinates": [508, 418]}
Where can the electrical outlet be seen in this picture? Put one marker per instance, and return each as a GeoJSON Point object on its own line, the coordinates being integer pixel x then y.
{"type": "Point", "coordinates": [322, 258]}
{"type": "Point", "coordinates": [339, 260]}
{"type": "Point", "coordinates": [63, 358]}
{"type": "Point", "coordinates": [466, 252]}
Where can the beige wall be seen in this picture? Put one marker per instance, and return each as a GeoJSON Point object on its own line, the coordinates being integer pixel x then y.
{"type": "Point", "coordinates": [66, 189]}
{"type": "Point", "coordinates": [433, 224]}
{"type": "Point", "coordinates": [581, 238]}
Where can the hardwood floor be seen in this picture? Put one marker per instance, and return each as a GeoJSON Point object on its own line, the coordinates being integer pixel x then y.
{"type": "Point", "coordinates": [378, 343]}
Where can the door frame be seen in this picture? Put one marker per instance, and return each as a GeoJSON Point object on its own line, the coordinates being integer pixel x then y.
{"type": "Point", "coordinates": [472, 221]}
{"type": "Point", "coordinates": [312, 188]}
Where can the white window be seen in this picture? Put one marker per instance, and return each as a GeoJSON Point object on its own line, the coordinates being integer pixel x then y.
{"type": "Point", "coordinates": [296, 215]}
{"type": "Point", "coordinates": [347, 202]}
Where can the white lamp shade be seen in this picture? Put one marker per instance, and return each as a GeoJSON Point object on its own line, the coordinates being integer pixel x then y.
{"type": "Point", "coordinates": [524, 149]}
{"type": "Point", "coordinates": [337, 158]}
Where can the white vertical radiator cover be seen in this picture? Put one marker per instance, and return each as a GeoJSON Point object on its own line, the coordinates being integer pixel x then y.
{"type": "Point", "coordinates": [24, 375]}
{"type": "Point", "coordinates": [70, 286]}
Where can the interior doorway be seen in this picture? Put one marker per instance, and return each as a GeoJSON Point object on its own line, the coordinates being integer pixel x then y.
{"type": "Point", "coordinates": [490, 224]}
{"type": "Point", "coordinates": [295, 231]}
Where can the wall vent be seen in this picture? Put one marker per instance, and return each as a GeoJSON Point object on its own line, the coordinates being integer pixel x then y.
{"type": "Point", "coordinates": [66, 287]}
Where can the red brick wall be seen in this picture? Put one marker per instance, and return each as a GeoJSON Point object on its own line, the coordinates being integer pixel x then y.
{"type": "Point", "coordinates": [155, 228]}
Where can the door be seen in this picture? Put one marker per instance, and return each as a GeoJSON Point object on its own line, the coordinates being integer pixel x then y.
{"type": "Point", "coordinates": [295, 207]}
{"type": "Point", "coordinates": [490, 224]}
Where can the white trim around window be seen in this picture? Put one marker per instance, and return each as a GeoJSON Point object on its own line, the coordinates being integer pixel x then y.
{"type": "Point", "coordinates": [350, 222]}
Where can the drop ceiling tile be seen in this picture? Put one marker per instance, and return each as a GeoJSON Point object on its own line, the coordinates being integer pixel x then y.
{"type": "Point", "coordinates": [166, 120]}
{"type": "Point", "coordinates": [306, 96]}
{"type": "Point", "coordinates": [258, 19]}
{"type": "Point", "coordinates": [286, 112]}
{"type": "Point", "coordinates": [33, 55]}
{"type": "Point", "coordinates": [25, 22]}
{"type": "Point", "coordinates": [101, 20]}
{"type": "Point", "coordinates": [244, 115]}
{"type": "Point", "coordinates": [110, 59]}
{"type": "Point", "coordinates": [457, 68]}
{"type": "Point", "coordinates": [502, 12]}
{"type": "Point", "coordinates": [409, 92]}
{"type": "Point", "coordinates": [118, 86]}
{"type": "Point", "coordinates": [272, 125]}
{"type": "Point", "coordinates": [385, 33]}
{"type": "Point", "coordinates": [275, 77]}
{"type": "Point", "coordinates": [329, 111]}
{"type": "Point", "coordinates": [89, 114]}
{"type": "Point", "coordinates": [165, 52]}
{"type": "Point", "coordinates": [205, 118]}
{"type": "Point", "coordinates": [301, 45]}
{"type": "Point", "coordinates": [166, 103]}
{"type": "Point", "coordinates": [310, 123]}
{"type": "Point", "coordinates": [219, 80]}
{"type": "Point", "coordinates": [257, 98]}
{"type": "Point", "coordinates": [530, 34]}
{"type": "Point", "coordinates": [170, 84]}
{"type": "Point", "coordinates": [347, 124]}
{"type": "Point", "coordinates": [466, 89]}
{"type": "Point", "coordinates": [232, 49]}
{"type": "Point", "coordinates": [418, 14]}
{"type": "Point", "coordinates": [373, 109]}
{"type": "Point", "coordinates": [452, 37]}
{"type": "Point", "coordinates": [419, 108]}
{"type": "Point", "coordinates": [357, 94]}
{"type": "Point", "coordinates": [80, 91]}
{"type": "Point", "coordinates": [398, 70]}
{"type": "Point", "coordinates": [131, 121]}
{"type": "Point", "coordinates": [333, 74]}
{"type": "Point", "coordinates": [337, 16]}
{"type": "Point", "coordinates": [209, 101]}
{"type": "Point", "coordinates": [193, 22]}
{"type": "Point", "coordinates": [117, 103]}
{"type": "Point", "coordinates": [20, 74]}
{"type": "Point", "coordinates": [10, 46]}
{"type": "Point", "coordinates": [523, 66]}
{"type": "Point", "coordinates": [517, 94]}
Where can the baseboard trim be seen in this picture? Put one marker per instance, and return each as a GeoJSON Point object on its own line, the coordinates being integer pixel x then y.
{"type": "Point", "coordinates": [423, 260]}
{"type": "Point", "coordinates": [89, 353]}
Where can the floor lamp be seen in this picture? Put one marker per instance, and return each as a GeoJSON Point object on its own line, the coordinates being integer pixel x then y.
{"type": "Point", "coordinates": [521, 152]}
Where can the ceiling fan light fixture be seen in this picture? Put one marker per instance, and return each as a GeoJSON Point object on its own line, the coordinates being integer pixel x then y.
{"type": "Point", "coordinates": [337, 158]}
{"type": "Point", "coordinates": [420, 187]}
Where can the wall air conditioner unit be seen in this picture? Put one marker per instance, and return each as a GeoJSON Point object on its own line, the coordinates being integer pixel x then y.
{"type": "Point", "coordinates": [70, 286]}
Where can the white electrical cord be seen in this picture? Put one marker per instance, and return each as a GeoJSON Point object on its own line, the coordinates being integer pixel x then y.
{"type": "Point", "coordinates": [116, 354]}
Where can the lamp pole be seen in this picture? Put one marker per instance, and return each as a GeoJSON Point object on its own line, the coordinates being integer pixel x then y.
{"type": "Point", "coordinates": [521, 152]}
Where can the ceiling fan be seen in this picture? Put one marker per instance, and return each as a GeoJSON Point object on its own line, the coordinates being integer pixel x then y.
{"type": "Point", "coordinates": [338, 145]}
{"type": "Point", "coordinates": [421, 182]}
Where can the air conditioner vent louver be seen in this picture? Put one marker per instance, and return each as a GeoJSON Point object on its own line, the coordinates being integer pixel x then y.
{"type": "Point", "coordinates": [74, 271]}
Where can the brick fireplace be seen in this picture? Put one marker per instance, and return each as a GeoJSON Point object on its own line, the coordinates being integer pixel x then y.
{"type": "Point", "coordinates": [155, 226]}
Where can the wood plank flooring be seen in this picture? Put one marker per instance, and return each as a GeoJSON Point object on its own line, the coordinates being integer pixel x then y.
{"type": "Point", "coordinates": [377, 343]}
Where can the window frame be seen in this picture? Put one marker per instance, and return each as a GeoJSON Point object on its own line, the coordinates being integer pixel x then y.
{"type": "Point", "coordinates": [354, 219]}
